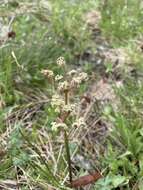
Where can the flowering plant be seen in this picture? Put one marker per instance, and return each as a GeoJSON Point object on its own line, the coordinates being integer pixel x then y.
{"type": "Point", "coordinates": [63, 102]}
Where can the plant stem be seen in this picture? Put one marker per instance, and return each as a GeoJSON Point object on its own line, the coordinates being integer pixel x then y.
{"type": "Point", "coordinates": [68, 155]}
{"type": "Point", "coordinates": [67, 144]}
{"type": "Point", "coordinates": [66, 96]}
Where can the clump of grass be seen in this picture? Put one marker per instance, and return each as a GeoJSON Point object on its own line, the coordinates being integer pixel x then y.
{"type": "Point", "coordinates": [124, 153]}
{"type": "Point", "coordinates": [121, 20]}
{"type": "Point", "coordinates": [64, 32]}
{"type": "Point", "coordinates": [52, 168]}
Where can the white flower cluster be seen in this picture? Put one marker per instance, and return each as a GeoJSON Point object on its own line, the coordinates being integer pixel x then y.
{"type": "Point", "coordinates": [70, 108]}
{"type": "Point", "coordinates": [63, 90]}
{"type": "Point", "coordinates": [74, 82]}
{"type": "Point", "coordinates": [58, 77]}
{"type": "Point", "coordinates": [48, 73]}
{"type": "Point", "coordinates": [59, 105]}
{"type": "Point", "coordinates": [64, 86]}
{"type": "Point", "coordinates": [79, 122]}
{"type": "Point", "coordinates": [72, 72]}
{"type": "Point", "coordinates": [61, 62]}
{"type": "Point", "coordinates": [57, 102]}
{"type": "Point", "coordinates": [78, 79]}
{"type": "Point", "coordinates": [56, 126]}
{"type": "Point", "coordinates": [74, 77]}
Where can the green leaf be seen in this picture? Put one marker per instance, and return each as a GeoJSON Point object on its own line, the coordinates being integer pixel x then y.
{"type": "Point", "coordinates": [118, 180]}
{"type": "Point", "coordinates": [141, 132]}
{"type": "Point", "coordinates": [141, 184]}
{"type": "Point", "coordinates": [127, 153]}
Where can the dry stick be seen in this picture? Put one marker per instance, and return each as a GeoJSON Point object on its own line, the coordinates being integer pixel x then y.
{"type": "Point", "coordinates": [85, 180]}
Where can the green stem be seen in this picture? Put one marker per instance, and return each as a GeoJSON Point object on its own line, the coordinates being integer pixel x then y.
{"type": "Point", "coordinates": [66, 141]}
{"type": "Point", "coordinates": [66, 97]}
{"type": "Point", "coordinates": [68, 155]}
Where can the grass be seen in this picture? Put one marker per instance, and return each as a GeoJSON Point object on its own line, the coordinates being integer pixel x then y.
{"type": "Point", "coordinates": [125, 142]}
{"type": "Point", "coordinates": [122, 20]}
{"type": "Point", "coordinates": [32, 155]}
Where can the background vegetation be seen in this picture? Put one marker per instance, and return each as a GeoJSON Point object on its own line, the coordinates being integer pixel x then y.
{"type": "Point", "coordinates": [33, 35]}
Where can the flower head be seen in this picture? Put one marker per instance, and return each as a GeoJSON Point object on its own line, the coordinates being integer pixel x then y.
{"type": "Point", "coordinates": [78, 79]}
{"type": "Point", "coordinates": [61, 61]}
{"type": "Point", "coordinates": [56, 126]}
{"type": "Point", "coordinates": [72, 72]}
{"type": "Point", "coordinates": [58, 77]}
{"type": "Point", "coordinates": [75, 82]}
{"type": "Point", "coordinates": [79, 122]}
{"type": "Point", "coordinates": [64, 86]}
{"type": "Point", "coordinates": [69, 108]}
{"type": "Point", "coordinates": [57, 102]}
{"type": "Point", "coordinates": [48, 73]}
{"type": "Point", "coordinates": [83, 76]}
